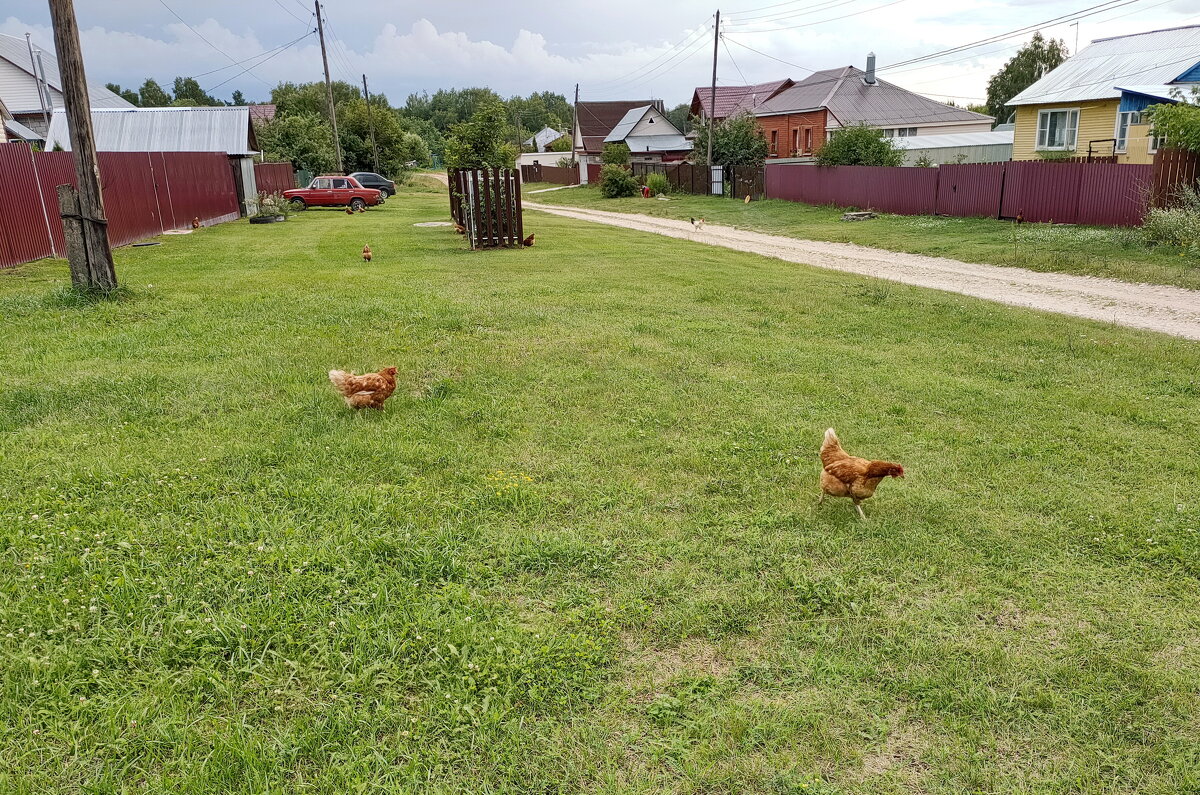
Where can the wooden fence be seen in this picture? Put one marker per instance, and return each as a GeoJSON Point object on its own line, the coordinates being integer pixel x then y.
{"type": "Point", "coordinates": [1074, 193]}
{"type": "Point", "coordinates": [682, 177]}
{"type": "Point", "coordinates": [555, 174]}
{"type": "Point", "coordinates": [486, 204]}
{"type": "Point", "coordinates": [1172, 169]}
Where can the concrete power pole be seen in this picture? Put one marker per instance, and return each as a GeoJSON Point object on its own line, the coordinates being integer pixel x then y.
{"type": "Point", "coordinates": [33, 65]}
{"type": "Point", "coordinates": [712, 97]}
{"type": "Point", "coordinates": [337, 144]}
{"type": "Point", "coordinates": [84, 224]}
{"type": "Point", "coordinates": [371, 123]}
{"type": "Point", "coordinates": [575, 132]}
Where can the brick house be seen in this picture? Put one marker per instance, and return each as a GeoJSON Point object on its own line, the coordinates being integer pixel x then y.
{"type": "Point", "coordinates": [799, 119]}
{"type": "Point", "coordinates": [732, 100]}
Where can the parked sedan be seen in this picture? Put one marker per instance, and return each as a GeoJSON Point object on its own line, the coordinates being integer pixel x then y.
{"type": "Point", "coordinates": [333, 191]}
{"type": "Point", "coordinates": [372, 180]}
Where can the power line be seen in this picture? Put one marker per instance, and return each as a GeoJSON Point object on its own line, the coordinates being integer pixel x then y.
{"type": "Point", "coordinates": [686, 41]}
{"type": "Point", "coordinates": [831, 19]}
{"type": "Point", "coordinates": [289, 12]}
{"type": "Point", "coordinates": [766, 55]}
{"type": "Point", "coordinates": [778, 16]}
{"type": "Point", "coordinates": [685, 54]}
{"type": "Point", "coordinates": [278, 51]}
{"type": "Point", "coordinates": [244, 60]}
{"type": "Point", "coordinates": [732, 61]}
{"type": "Point", "coordinates": [209, 43]}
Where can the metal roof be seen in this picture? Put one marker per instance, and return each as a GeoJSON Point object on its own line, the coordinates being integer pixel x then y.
{"type": "Point", "coordinates": [596, 119]}
{"type": "Point", "coordinates": [1158, 92]}
{"type": "Point", "coordinates": [543, 137]}
{"type": "Point", "coordinates": [626, 124]}
{"type": "Point", "coordinates": [948, 140]}
{"type": "Point", "coordinates": [658, 143]}
{"type": "Point", "coordinates": [16, 52]}
{"type": "Point", "coordinates": [732, 100]}
{"type": "Point", "coordinates": [852, 101]}
{"type": "Point", "coordinates": [1152, 58]}
{"type": "Point", "coordinates": [205, 129]}
{"type": "Point", "coordinates": [21, 131]}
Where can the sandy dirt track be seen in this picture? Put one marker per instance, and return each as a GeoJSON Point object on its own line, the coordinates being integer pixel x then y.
{"type": "Point", "coordinates": [1170, 310]}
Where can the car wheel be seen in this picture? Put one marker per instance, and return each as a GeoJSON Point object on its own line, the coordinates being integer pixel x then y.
{"type": "Point", "coordinates": [357, 205]}
{"type": "Point", "coordinates": [389, 192]}
{"type": "Point", "coordinates": [298, 205]}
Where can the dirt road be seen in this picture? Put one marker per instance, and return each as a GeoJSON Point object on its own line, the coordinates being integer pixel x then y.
{"type": "Point", "coordinates": [1170, 310]}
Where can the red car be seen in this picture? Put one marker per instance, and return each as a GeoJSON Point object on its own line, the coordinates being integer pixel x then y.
{"type": "Point", "coordinates": [333, 191]}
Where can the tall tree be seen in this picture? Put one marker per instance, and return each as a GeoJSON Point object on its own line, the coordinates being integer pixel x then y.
{"type": "Point", "coordinates": [152, 95]}
{"type": "Point", "coordinates": [188, 92]}
{"type": "Point", "coordinates": [239, 98]}
{"type": "Point", "coordinates": [481, 142]}
{"type": "Point", "coordinates": [1024, 69]}
{"type": "Point", "coordinates": [303, 139]}
{"type": "Point", "coordinates": [127, 94]}
{"type": "Point", "coordinates": [737, 141]}
{"type": "Point", "coordinates": [680, 116]}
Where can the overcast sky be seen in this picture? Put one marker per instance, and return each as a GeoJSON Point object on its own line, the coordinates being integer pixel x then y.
{"type": "Point", "coordinates": [617, 49]}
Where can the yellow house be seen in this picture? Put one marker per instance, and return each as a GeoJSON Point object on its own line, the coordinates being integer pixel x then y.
{"type": "Point", "coordinates": [1093, 103]}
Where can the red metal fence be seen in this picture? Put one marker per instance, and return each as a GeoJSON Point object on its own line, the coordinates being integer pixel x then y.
{"type": "Point", "coordinates": [274, 177]}
{"type": "Point", "coordinates": [145, 194]}
{"type": "Point", "coordinates": [1075, 193]}
{"type": "Point", "coordinates": [558, 175]}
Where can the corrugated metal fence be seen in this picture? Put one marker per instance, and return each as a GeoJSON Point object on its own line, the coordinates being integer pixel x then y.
{"type": "Point", "coordinates": [145, 194]}
{"type": "Point", "coordinates": [1074, 193]}
{"type": "Point", "coordinates": [274, 177]}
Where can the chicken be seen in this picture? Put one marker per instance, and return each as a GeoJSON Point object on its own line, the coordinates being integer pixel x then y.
{"type": "Point", "coordinates": [1020, 216]}
{"type": "Point", "coordinates": [196, 222]}
{"type": "Point", "coordinates": [845, 475]}
{"type": "Point", "coordinates": [349, 210]}
{"type": "Point", "coordinates": [362, 208]}
{"type": "Point", "coordinates": [462, 230]}
{"type": "Point", "coordinates": [527, 242]}
{"type": "Point", "coordinates": [698, 223]}
{"type": "Point", "coordinates": [365, 391]}
{"type": "Point", "coordinates": [366, 253]}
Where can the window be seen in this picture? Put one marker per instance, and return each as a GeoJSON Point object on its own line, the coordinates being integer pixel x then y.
{"type": "Point", "coordinates": [340, 183]}
{"type": "Point", "coordinates": [795, 140]}
{"type": "Point", "coordinates": [1057, 129]}
{"type": "Point", "coordinates": [808, 138]}
{"type": "Point", "coordinates": [774, 141]}
{"type": "Point", "coordinates": [321, 183]}
{"type": "Point", "coordinates": [1124, 121]}
{"type": "Point", "coordinates": [899, 132]}
{"type": "Point", "coordinates": [1157, 142]}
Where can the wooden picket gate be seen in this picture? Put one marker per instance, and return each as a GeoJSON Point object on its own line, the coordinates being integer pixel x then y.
{"type": "Point", "coordinates": [486, 204]}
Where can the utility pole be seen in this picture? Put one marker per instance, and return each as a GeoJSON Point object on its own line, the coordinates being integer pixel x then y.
{"type": "Point", "coordinates": [712, 97]}
{"type": "Point", "coordinates": [574, 132]}
{"type": "Point", "coordinates": [33, 64]}
{"type": "Point", "coordinates": [337, 144]}
{"type": "Point", "coordinates": [84, 224]}
{"type": "Point", "coordinates": [371, 123]}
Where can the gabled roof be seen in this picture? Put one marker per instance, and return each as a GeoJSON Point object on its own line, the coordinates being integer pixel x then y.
{"type": "Point", "coordinates": [16, 52]}
{"type": "Point", "coordinates": [732, 100]}
{"type": "Point", "coordinates": [669, 142]}
{"type": "Point", "coordinates": [543, 138]}
{"type": "Point", "coordinates": [20, 131]}
{"type": "Point", "coordinates": [597, 119]}
{"type": "Point", "coordinates": [262, 112]}
{"type": "Point", "coordinates": [626, 124]}
{"type": "Point", "coordinates": [1155, 57]}
{"type": "Point", "coordinates": [852, 101]}
{"type": "Point", "coordinates": [666, 137]}
{"type": "Point", "coordinates": [949, 140]}
{"type": "Point", "coordinates": [204, 129]}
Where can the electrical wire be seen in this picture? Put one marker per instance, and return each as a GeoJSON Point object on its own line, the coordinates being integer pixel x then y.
{"type": "Point", "coordinates": [289, 12]}
{"type": "Point", "coordinates": [695, 46]}
{"type": "Point", "coordinates": [280, 51]}
{"type": "Point", "coordinates": [732, 61]}
{"type": "Point", "coordinates": [738, 19]}
{"type": "Point", "coordinates": [209, 43]}
{"type": "Point", "coordinates": [834, 19]}
{"type": "Point", "coordinates": [246, 60]}
{"type": "Point", "coordinates": [686, 41]}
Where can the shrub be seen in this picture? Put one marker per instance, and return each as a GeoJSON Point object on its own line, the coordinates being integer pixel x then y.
{"type": "Point", "coordinates": [923, 161]}
{"type": "Point", "coordinates": [616, 182]}
{"type": "Point", "coordinates": [859, 145]}
{"type": "Point", "coordinates": [658, 183]}
{"type": "Point", "coordinates": [615, 154]}
{"type": "Point", "coordinates": [271, 204]}
{"type": "Point", "coordinates": [566, 162]}
{"type": "Point", "coordinates": [1177, 224]}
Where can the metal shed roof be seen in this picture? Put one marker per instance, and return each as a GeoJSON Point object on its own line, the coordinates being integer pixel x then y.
{"type": "Point", "coordinates": [16, 52]}
{"type": "Point", "coordinates": [1152, 58]}
{"type": "Point", "coordinates": [21, 131]}
{"type": "Point", "coordinates": [658, 143]}
{"type": "Point", "coordinates": [626, 124]}
{"type": "Point", "coordinates": [206, 129]}
{"type": "Point", "coordinates": [954, 140]}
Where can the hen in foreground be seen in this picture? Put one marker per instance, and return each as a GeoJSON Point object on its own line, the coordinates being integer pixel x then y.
{"type": "Point", "coordinates": [845, 475]}
{"type": "Point", "coordinates": [369, 390]}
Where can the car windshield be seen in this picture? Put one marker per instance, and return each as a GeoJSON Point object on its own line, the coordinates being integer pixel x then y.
{"type": "Point", "coordinates": [320, 184]}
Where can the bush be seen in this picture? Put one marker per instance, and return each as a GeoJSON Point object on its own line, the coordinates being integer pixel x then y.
{"type": "Point", "coordinates": [1177, 225]}
{"type": "Point", "coordinates": [616, 182]}
{"type": "Point", "coordinates": [271, 204]}
{"type": "Point", "coordinates": [859, 146]}
{"type": "Point", "coordinates": [615, 154]}
{"type": "Point", "coordinates": [566, 162]}
{"type": "Point", "coordinates": [658, 183]}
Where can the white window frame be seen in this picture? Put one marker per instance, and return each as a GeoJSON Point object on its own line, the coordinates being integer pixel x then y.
{"type": "Point", "coordinates": [1068, 146]}
{"type": "Point", "coordinates": [1129, 117]}
{"type": "Point", "coordinates": [1156, 142]}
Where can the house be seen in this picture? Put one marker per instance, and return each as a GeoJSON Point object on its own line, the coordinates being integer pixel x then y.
{"type": "Point", "coordinates": [31, 100]}
{"type": "Point", "coordinates": [543, 138]}
{"type": "Point", "coordinates": [1093, 101]}
{"type": "Point", "coordinates": [595, 120]}
{"type": "Point", "coordinates": [650, 136]}
{"type": "Point", "coordinates": [799, 119]}
{"type": "Point", "coordinates": [541, 158]}
{"type": "Point", "coordinates": [732, 100]}
{"type": "Point", "coordinates": [976, 147]}
{"type": "Point", "coordinates": [224, 129]}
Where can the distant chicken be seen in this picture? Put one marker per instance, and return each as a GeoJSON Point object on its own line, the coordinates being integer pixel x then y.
{"type": "Point", "coordinates": [462, 230]}
{"type": "Point", "coordinates": [1020, 216]}
{"type": "Point", "coordinates": [698, 223]}
{"type": "Point", "coordinates": [844, 475]}
{"type": "Point", "coordinates": [196, 223]}
{"type": "Point", "coordinates": [528, 242]}
{"type": "Point", "coordinates": [349, 211]}
{"type": "Point", "coordinates": [362, 208]}
{"type": "Point", "coordinates": [365, 391]}
{"type": "Point", "coordinates": [366, 253]}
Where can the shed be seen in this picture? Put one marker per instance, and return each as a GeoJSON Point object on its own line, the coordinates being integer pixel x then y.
{"type": "Point", "coordinates": [202, 129]}
{"type": "Point", "coordinates": [979, 147]}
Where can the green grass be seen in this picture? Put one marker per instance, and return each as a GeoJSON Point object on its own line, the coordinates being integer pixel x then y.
{"type": "Point", "coordinates": [579, 551]}
{"type": "Point", "coordinates": [1084, 250]}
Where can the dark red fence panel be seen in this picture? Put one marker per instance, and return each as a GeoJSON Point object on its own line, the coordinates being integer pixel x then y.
{"type": "Point", "coordinates": [23, 231]}
{"type": "Point", "coordinates": [1043, 192]}
{"type": "Point", "coordinates": [201, 186]}
{"type": "Point", "coordinates": [274, 177]}
{"type": "Point", "coordinates": [54, 169]}
{"type": "Point", "coordinates": [1112, 195]}
{"type": "Point", "coordinates": [907, 191]}
{"type": "Point", "coordinates": [130, 198]}
{"type": "Point", "coordinates": [970, 190]}
{"type": "Point", "coordinates": [593, 172]}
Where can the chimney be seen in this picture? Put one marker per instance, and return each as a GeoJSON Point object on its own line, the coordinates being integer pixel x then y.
{"type": "Point", "coordinates": [870, 78]}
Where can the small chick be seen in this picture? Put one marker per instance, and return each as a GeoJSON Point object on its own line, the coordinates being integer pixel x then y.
{"type": "Point", "coordinates": [366, 253]}
{"type": "Point", "coordinates": [462, 230]}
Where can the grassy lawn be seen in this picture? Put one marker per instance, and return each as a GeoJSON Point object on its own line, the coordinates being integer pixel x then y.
{"type": "Point", "coordinates": [1084, 250]}
{"type": "Point", "coordinates": [579, 551]}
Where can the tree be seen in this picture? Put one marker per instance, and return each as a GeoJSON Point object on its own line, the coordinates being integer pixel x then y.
{"type": "Point", "coordinates": [127, 94]}
{"type": "Point", "coordinates": [239, 98]}
{"type": "Point", "coordinates": [681, 116]}
{"type": "Point", "coordinates": [859, 145]}
{"type": "Point", "coordinates": [188, 92]}
{"type": "Point", "coordinates": [481, 142]}
{"type": "Point", "coordinates": [306, 141]}
{"type": "Point", "coordinates": [737, 141]}
{"type": "Point", "coordinates": [152, 95]}
{"type": "Point", "coordinates": [616, 154]}
{"type": "Point", "coordinates": [396, 145]}
{"type": "Point", "coordinates": [299, 99]}
{"type": "Point", "coordinates": [559, 144]}
{"type": "Point", "coordinates": [1179, 123]}
{"type": "Point", "coordinates": [1024, 69]}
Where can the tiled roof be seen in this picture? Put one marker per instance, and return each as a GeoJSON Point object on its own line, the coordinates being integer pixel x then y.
{"type": "Point", "coordinates": [1152, 58]}
{"type": "Point", "coordinates": [262, 112]}
{"type": "Point", "coordinates": [732, 100]}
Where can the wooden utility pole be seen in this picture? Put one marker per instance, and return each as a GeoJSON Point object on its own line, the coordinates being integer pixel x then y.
{"type": "Point", "coordinates": [84, 224]}
{"type": "Point", "coordinates": [371, 123]}
{"type": "Point", "coordinates": [712, 98]}
{"type": "Point", "coordinates": [337, 144]}
{"type": "Point", "coordinates": [574, 132]}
